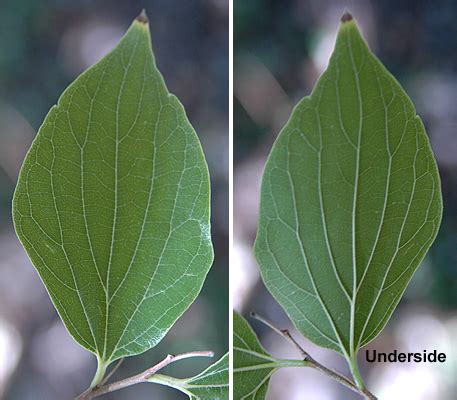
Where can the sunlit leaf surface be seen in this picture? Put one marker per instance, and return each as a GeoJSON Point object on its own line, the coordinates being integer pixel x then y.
{"type": "Point", "coordinates": [112, 204]}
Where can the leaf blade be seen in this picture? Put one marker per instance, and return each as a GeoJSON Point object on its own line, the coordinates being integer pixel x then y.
{"type": "Point", "coordinates": [252, 365]}
{"type": "Point", "coordinates": [112, 204]}
{"type": "Point", "coordinates": [350, 181]}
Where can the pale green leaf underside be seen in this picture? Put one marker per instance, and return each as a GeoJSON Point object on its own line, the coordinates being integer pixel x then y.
{"type": "Point", "coordinates": [252, 365]}
{"type": "Point", "coordinates": [211, 384]}
{"type": "Point", "coordinates": [112, 204]}
{"type": "Point", "coordinates": [350, 201]}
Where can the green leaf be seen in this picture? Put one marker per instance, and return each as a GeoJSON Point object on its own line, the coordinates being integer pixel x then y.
{"type": "Point", "coordinates": [112, 204]}
{"type": "Point", "coordinates": [252, 365]}
{"type": "Point", "coordinates": [350, 201]}
{"type": "Point", "coordinates": [211, 384]}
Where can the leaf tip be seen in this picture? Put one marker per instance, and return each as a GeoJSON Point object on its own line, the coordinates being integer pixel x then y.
{"type": "Point", "coordinates": [346, 17]}
{"type": "Point", "coordinates": [142, 17]}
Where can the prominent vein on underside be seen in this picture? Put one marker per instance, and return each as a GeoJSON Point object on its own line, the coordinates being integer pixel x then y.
{"type": "Point", "coordinates": [278, 265]}
{"type": "Point", "coordinates": [322, 208]}
{"type": "Point", "coordinates": [253, 353]}
{"type": "Point", "coordinates": [292, 303]}
{"type": "Point", "coordinates": [381, 290]}
{"type": "Point", "coordinates": [256, 367]}
{"type": "Point", "coordinates": [305, 258]}
{"type": "Point", "coordinates": [248, 348]}
{"type": "Point", "coordinates": [354, 204]}
{"type": "Point", "coordinates": [204, 385]}
{"type": "Point", "coordinates": [396, 298]}
{"type": "Point", "coordinates": [242, 339]}
{"type": "Point", "coordinates": [426, 221]}
{"type": "Point", "coordinates": [363, 340]}
{"type": "Point", "coordinates": [386, 194]}
{"type": "Point", "coordinates": [116, 194]}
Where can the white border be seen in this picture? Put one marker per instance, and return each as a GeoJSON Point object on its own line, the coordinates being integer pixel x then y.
{"type": "Point", "coordinates": [230, 94]}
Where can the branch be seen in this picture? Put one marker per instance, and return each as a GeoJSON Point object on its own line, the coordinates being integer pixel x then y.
{"type": "Point", "coordinates": [111, 373]}
{"type": "Point", "coordinates": [312, 363]}
{"type": "Point", "coordinates": [142, 377]}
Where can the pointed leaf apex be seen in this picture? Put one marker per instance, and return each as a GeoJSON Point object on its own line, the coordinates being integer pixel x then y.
{"type": "Point", "coordinates": [143, 18]}
{"type": "Point", "coordinates": [346, 17]}
{"type": "Point", "coordinates": [191, 232]}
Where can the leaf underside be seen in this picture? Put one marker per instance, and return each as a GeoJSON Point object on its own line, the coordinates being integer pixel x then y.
{"type": "Point", "coordinates": [350, 201]}
{"type": "Point", "coordinates": [211, 384]}
{"type": "Point", "coordinates": [112, 204]}
{"type": "Point", "coordinates": [252, 365]}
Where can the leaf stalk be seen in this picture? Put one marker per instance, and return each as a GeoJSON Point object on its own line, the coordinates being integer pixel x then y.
{"type": "Point", "coordinates": [99, 373]}
{"type": "Point", "coordinates": [142, 377]}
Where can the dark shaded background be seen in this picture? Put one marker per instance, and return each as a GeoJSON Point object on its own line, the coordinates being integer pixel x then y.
{"type": "Point", "coordinates": [281, 47]}
{"type": "Point", "coordinates": [44, 45]}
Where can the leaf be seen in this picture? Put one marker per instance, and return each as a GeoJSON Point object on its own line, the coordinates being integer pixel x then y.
{"type": "Point", "coordinates": [112, 204]}
{"type": "Point", "coordinates": [211, 384]}
{"type": "Point", "coordinates": [252, 365]}
{"type": "Point", "coordinates": [350, 201]}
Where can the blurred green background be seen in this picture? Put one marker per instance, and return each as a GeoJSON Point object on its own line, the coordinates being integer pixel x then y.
{"type": "Point", "coordinates": [281, 47]}
{"type": "Point", "coordinates": [44, 45]}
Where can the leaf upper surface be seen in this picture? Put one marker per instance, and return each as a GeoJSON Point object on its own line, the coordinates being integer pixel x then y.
{"type": "Point", "coordinates": [112, 204]}
{"type": "Point", "coordinates": [350, 201]}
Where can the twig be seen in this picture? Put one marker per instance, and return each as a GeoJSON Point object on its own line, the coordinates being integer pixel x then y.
{"type": "Point", "coordinates": [283, 332]}
{"type": "Point", "coordinates": [139, 378]}
{"type": "Point", "coordinates": [111, 373]}
{"type": "Point", "coordinates": [312, 363]}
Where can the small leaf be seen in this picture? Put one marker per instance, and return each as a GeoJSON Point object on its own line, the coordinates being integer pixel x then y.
{"type": "Point", "coordinates": [211, 384]}
{"type": "Point", "coordinates": [112, 204]}
{"type": "Point", "coordinates": [252, 365]}
{"type": "Point", "coordinates": [350, 201]}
